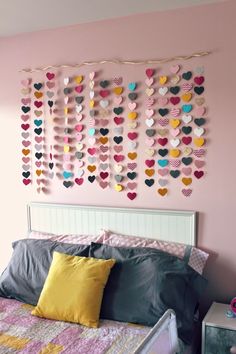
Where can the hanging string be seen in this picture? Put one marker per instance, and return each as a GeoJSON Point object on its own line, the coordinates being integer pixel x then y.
{"type": "Point", "coordinates": [117, 61]}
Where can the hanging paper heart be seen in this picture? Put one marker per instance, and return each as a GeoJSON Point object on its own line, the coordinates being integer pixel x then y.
{"type": "Point", "coordinates": [175, 132]}
{"type": "Point", "coordinates": [132, 195]}
{"type": "Point", "coordinates": [118, 100]}
{"type": "Point", "coordinates": [162, 141]}
{"type": "Point", "coordinates": [186, 171]}
{"type": "Point", "coordinates": [92, 131]}
{"type": "Point", "coordinates": [175, 112]}
{"type": "Point", "coordinates": [38, 147]}
{"type": "Point", "coordinates": [174, 100]}
{"type": "Point", "coordinates": [25, 159]}
{"type": "Point", "coordinates": [66, 81]}
{"type": "Point", "coordinates": [187, 192]}
{"type": "Point", "coordinates": [199, 163]}
{"type": "Point", "coordinates": [132, 115]}
{"type": "Point", "coordinates": [200, 101]}
{"type": "Point", "coordinates": [174, 69]}
{"type": "Point", "coordinates": [26, 181]}
{"type": "Point", "coordinates": [149, 82]}
{"type": "Point", "coordinates": [149, 91]}
{"type": "Point", "coordinates": [91, 159]}
{"type": "Point", "coordinates": [26, 101]}
{"type": "Point", "coordinates": [163, 182]}
{"type": "Point", "coordinates": [38, 86]}
{"type": "Point", "coordinates": [163, 91]}
{"type": "Point", "coordinates": [149, 172]}
{"type": "Point", "coordinates": [175, 90]}
{"type": "Point", "coordinates": [118, 158]}
{"type": "Point", "coordinates": [25, 109]}
{"type": "Point", "coordinates": [91, 168]}
{"type": "Point", "coordinates": [198, 90]}
{"type": "Point", "coordinates": [199, 121]}
{"type": "Point", "coordinates": [187, 160]}
{"type": "Point", "coordinates": [25, 82]}
{"type": "Point", "coordinates": [25, 117]}
{"type": "Point", "coordinates": [104, 93]}
{"type": "Point", "coordinates": [187, 108]}
{"type": "Point", "coordinates": [132, 135]}
{"type": "Point", "coordinates": [25, 152]}
{"type": "Point", "coordinates": [132, 125]}
{"type": "Point", "coordinates": [149, 122]}
{"type": "Point", "coordinates": [91, 179]}
{"type": "Point", "coordinates": [103, 166]}
{"type": "Point", "coordinates": [118, 80]}
{"type": "Point", "coordinates": [175, 79]}
{"type": "Point", "coordinates": [78, 79]}
{"type": "Point", "coordinates": [118, 120]}
{"type": "Point", "coordinates": [131, 175]}
{"type": "Point", "coordinates": [163, 152]}
{"type": "Point", "coordinates": [186, 118]}
{"type": "Point", "coordinates": [174, 123]}
{"type": "Point", "coordinates": [25, 91]}
{"type": "Point", "coordinates": [175, 163]}
{"type": "Point", "coordinates": [80, 173]}
{"type": "Point", "coordinates": [163, 132]}
{"type": "Point", "coordinates": [175, 173]}
{"type": "Point", "coordinates": [50, 76]}
{"type": "Point", "coordinates": [80, 163]}
{"type": "Point", "coordinates": [79, 181]}
{"type": "Point", "coordinates": [174, 152]}
{"type": "Point", "coordinates": [118, 90]}
{"type": "Point", "coordinates": [103, 184]}
{"type": "Point", "coordinates": [187, 151]}
{"type": "Point", "coordinates": [198, 174]}
{"type": "Point", "coordinates": [186, 130]}
{"type": "Point", "coordinates": [199, 80]}
{"type": "Point", "coordinates": [103, 140]}
{"type": "Point", "coordinates": [25, 135]}
{"type": "Point", "coordinates": [163, 80]}
{"type": "Point", "coordinates": [187, 75]}
{"type": "Point", "coordinates": [132, 145]}
{"type": "Point", "coordinates": [187, 181]}
{"type": "Point", "coordinates": [198, 131]}
{"type": "Point", "coordinates": [163, 172]}
{"type": "Point", "coordinates": [150, 102]}
{"type": "Point", "coordinates": [50, 85]}
{"type": "Point", "coordinates": [118, 187]}
{"type": "Point", "coordinates": [163, 163]}
{"type": "Point", "coordinates": [150, 72]}
{"type": "Point", "coordinates": [149, 113]}
{"type": "Point", "coordinates": [186, 97]}
{"type": "Point", "coordinates": [187, 87]}
{"type": "Point", "coordinates": [199, 141]}
{"type": "Point", "coordinates": [104, 175]}
{"type": "Point", "coordinates": [187, 140]}
{"type": "Point", "coordinates": [200, 111]}
{"type": "Point", "coordinates": [149, 182]}
{"type": "Point", "coordinates": [162, 191]}
{"type": "Point", "coordinates": [79, 136]}
{"type": "Point", "coordinates": [118, 110]}
{"type": "Point", "coordinates": [132, 96]}
{"type": "Point", "coordinates": [175, 142]}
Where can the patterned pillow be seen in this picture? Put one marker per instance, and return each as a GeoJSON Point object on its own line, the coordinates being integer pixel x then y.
{"type": "Point", "coordinates": [73, 238]}
{"type": "Point", "coordinates": [196, 257]}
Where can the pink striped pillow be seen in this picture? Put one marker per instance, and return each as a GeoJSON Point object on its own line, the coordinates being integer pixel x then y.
{"type": "Point", "coordinates": [73, 238]}
{"type": "Point", "coordinates": [197, 258]}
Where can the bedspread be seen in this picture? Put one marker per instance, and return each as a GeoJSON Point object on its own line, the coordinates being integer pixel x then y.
{"type": "Point", "coordinates": [20, 332]}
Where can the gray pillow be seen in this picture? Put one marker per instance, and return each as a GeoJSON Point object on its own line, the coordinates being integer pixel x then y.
{"type": "Point", "coordinates": [24, 277]}
{"type": "Point", "coordinates": [145, 282]}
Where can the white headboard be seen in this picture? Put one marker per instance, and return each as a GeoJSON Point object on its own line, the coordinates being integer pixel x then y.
{"type": "Point", "coordinates": [169, 225]}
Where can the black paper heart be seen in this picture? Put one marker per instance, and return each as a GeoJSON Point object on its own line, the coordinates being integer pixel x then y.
{"type": "Point", "coordinates": [104, 131]}
{"type": "Point", "coordinates": [199, 121]}
{"type": "Point", "coordinates": [38, 131]}
{"type": "Point", "coordinates": [67, 131]}
{"type": "Point", "coordinates": [187, 75]}
{"type": "Point", "coordinates": [38, 86]}
{"type": "Point", "coordinates": [91, 179]}
{"type": "Point", "coordinates": [25, 109]}
{"type": "Point", "coordinates": [149, 182]}
{"type": "Point", "coordinates": [51, 164]}
{"type": "Point", "coordinates": [131, 175]}
{"type": "Point", "coordinates": [118, 139]}
{"type": "Point", "coordinates": [150, 132]}
{"type": "Point", "coordinates": [79, 99]}
{"type": "Point", "coordinates": [104, 83]}
{"type": "Point", "coordinates": [132, 96]}
{"type": "Point", "coordinates": [38, 155]}
{"type": "Point", "coordinates": [199, 90]}
{"type": "Point", "coordinates": [67, 91]}
{"type": "Point", "coordinates": [187, 130]}
{"type": "Point", "coordinates": [26, 174]}
{"type": "Point", "coordinates": [79, 155]}
{"type": "Point", "coordinates": [175, 173]}
{"type": "Point", "coordinates": [118, 178]}
{"type": "Point", "coordinates": [187, 160]}
{"type": "Point", "coordinates": [50, 103]}
{"type": "Point", "coordinates": [67, 184]}
{"type": "Point", "coordinates": [163, 111]}
{"type": "Point", "coordinates": [175, 90]}
{"type": "Point", "coordinates": [118, 110]}
{"type": "Point", "coordinates": [163, 152]}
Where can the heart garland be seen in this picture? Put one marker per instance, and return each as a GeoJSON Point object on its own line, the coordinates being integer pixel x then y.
{"type": "Point", "coordinates": [25, 132]}
{"type": "Point", "coordinates": [50, 93]}
{"type": "Point", "coordinates": [92, 131]}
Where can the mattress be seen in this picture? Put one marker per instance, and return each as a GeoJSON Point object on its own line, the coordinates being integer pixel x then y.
{"type": "Point", "coordinates": [20, 332]}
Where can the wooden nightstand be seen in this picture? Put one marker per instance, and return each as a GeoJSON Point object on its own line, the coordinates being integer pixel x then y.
{"type": "Point", "coordinates": [218, 331]}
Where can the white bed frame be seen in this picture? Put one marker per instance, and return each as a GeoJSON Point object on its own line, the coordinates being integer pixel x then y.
{"type": "Point", "coordinates": [169, 225]}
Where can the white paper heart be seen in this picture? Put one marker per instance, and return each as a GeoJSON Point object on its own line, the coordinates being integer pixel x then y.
{"type": "Point", "coordinates": [132, 144]}
{"type": "Point", "coordinates": [66, 99]}
{"type": "Point", "coordinates": [80, 173]}
{"type": "Point", "coordinates": [92, 141]}
{"type": "Point", "coordinates": [150, 152]}
{"type": "Point", "coordinates": [149, 122]}
{"type": "Point", "coordinates": [118, 168]}
{"type": "Point", "coordinates": [163, 91]}
{"type": "Point", "coordinates": [186, 118]}
{"type": "Point", "coordinates": [91, 94]}
{"type": "Point", "coordinates": [132, 125]}
{"type": "Point", "coordinates": [78, 108]}
{"type": "Point", "coordinates": [79, 146]}
{"type": "Point", "coordinates": [175, 142]}
{"type": "Point", "coordinates": [92, 75]}
{"type": "Point", "coordinates": [199, 131]}
{"type": "Point", "coordinates": [104, 103]}
{"type": "Point", "coordinates": [66, 81]}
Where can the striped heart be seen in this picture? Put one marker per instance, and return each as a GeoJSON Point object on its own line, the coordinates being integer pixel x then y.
{"type": "Point", "coordinates": [163, 121]}
{"type": "Point", "coordinates": [199, 153]}
{"type": "Point", "coordinates": [150, 102]}
{"type": "Point", "coordinates": [103, 148]}
{"type": "Point", "coordinates": [175, 163]}
{"type": "Point", "coordinates": [175, 112]}
{"type": "Point", "coordinates": [118, 80]}
{"type": "Point", "coordinates": [187, 87]}
{"type": "Point", "coordinates": [187, 192]}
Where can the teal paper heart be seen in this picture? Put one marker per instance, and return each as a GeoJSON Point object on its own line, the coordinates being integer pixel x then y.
{"type": "Point", "coordinates": [132, 86]}
{"type": "Point", "coordinates": [67, 174]}
{"type": "Point", "coordinates": [162, 163]}
{"type": "Point", "coordinates": [92, 131]}
{"type": "Point", "coordinates": [38, 122]}
{"type": "Point", "coordinates": [187, 108]}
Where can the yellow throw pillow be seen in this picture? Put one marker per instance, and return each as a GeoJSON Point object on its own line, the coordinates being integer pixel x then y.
{"type": "Point", "coordinates": [73, 289]}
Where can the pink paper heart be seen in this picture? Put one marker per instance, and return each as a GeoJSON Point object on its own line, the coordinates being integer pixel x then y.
{"type": "Point", "coordinates": [92, 141]}
{"type": "Point", "coordinates": [132, 105]}
{"type": "Point", "coordinates": [79, 117]}
{"type": "Point", "coordinates": [50, 84]}
{"type": "Point", "coordinates": [38, 163]}
{"type": "Point", "coordinates": [104, 122]}
{"type": "Point", "coordinates": [103, 184]}
{"type": "Point", "coordinates": [65, 139]}
{"type": "Point", "coordinates": [149, 82]}
{"type": "Point", "coordinates": [118, 148]}
{"type": "Point", "coordinates": [92, 151]}
{"type": "Point", "coordinates": [92, 122]}
{"type": "Point", "coordinates": [162, 101]}
{"type": "Point", "coordinates": [118, 100]}
{"type": "Point", "coordinates": [25, 83]}
{"type": "Point", "coordinates": [174, 69]}
{"type": "Point", "coordinates": [67, 166]}
{"type": "Point", "coordinates": [25, 159]}
{"type": "Point", "coordinates": [163, 171]}
{"type": "Point", "coordinates": [199, 163]}
{"type": "Point", "coordinates": [92, 75]}
{"type": "Point", "coordinates": [103, 148]}
{"type": "Point", "coordinates": [149, 112]}
{"type": "Point", "coordinates": [79, 127]}
{"type": "Point", "coordinates": [103, 157]}
{"type": "Point", "coordinates": [26, 143]}
{"type": "Point", "coordinates": [79, 137]}
{"type": "Point", "coordinates": [80, 163]}
{"type": "Point", "coordinates": [175, 132]}
{"type": "Point", "coordinates": [25, 101]}
{"type": "Point", "coordinates": [25, 117]}
{"type": "Point", "coordinates": [150, 102]}
{"type": "Point", "coordinates": [66, 157]}
{"type": "Point", "coordinates": [131, 185]}
{"type": "Point", "coordinates": [79, 88]}
{"type": "Point", "coordinates": [187, 192]}
{"type": "Point", "coordinates": [186, 171]}
{"type": "Point", "coordinates": [200, 111]}
{"type": "Point", "coordinates": [150, 141]}
{"type": "Point", "coordinates": [38, 139]}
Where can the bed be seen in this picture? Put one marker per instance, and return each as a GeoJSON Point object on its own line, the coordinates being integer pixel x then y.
{"type": "Point", "coordinates": [20, 332]}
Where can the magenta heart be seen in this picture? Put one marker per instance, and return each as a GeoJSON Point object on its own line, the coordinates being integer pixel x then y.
{"type": "Point", "coordinates": [118, 158]}
{"type": "Point", "coordinates": [175, 132]}
{"type": "Point", "coordinates": [25, 159]}
{"type": "Point", "coordinates": [38, 104]}
{"type": "Point", "coordinates": [118, 100]}
{"type": "Point", "coordinates": [25, 83]}
{"type": "Point", "coordinates": [38, 163]}
{"type": "Point", "coordinates": [79, 181]}
{"type": "Point", "coordinates": [150, 73]}
{"type": "Point", "coordinates": [26, 181]}
{"type": "Point", "coordinates": [163, 121]}
{"type": "Point", "coordinates": [92, 151]}
{"type": "Point", "coordinates": [103, 184]}
{"type": "Point", "coordinates": [79, 127]}
{"type": "Point", "coordinates": [104, 175]}
{"type": "Point", "coordinates": [150, 141]}
{"type": "Point", "coordinates": [175, 163]}
{"type": "Point", "coordinates": [150, 163]}
{"type": "Point", "coordinates": [103, 157]}
{"type": "Point", "coordinates": [132, 166]}
{"type": "Point", "coordinates": [103, 148]}
{"type": "Point", "coordinates": [162, 141]}
{"type": "Point", "coordinates": [118, 120]}
{"type": "Point", "coordinates": [118, 148]}
{"type": "Point", "coordinates": [50, 85]}
{"type": "Point", "coordinates": [186, 171]}
{"type": "Point", "coordinates": [131, 195]}
{"type": "Point", "coordinates": [187, 192]}
{"type": "Point", "coordinates": [174, 100]}
{"type": "Point", "coordinates": [163, 172]}
{"type": "Point", "coordinates": [163, 101]}
{"type": "Point", "coordinates": [25, 101]}
{"type": "Point", "coordinates": [200, 111]}
{"type": "Point", "coordinates": [199, 80]}
{"type": "Point", "coordinates": [198, 174]}
{"type": "Point", "coordinates": [25, 117]}
{"type": "Point", "coordinates": [131, 185]}
{"type": "Point", "coordinates": [132, 135]}
{"type": "Point", "coordinates": [150, 102]}
{"type": "Point", "coordinates": [104, 93]}
{"type": "Point", "coordinates": [104, 122]}
{"type": "Point", "coordinates": [50, 76]}
{"type": "Point", "coordinates": [38, 139]}
{"type": "Point", "coordinates": [25, 126]}
{"type": "Point", "coordinates": [199, 163]}
{"type": "Point", "coordinates": [187, 140]}
{"type": "Point", "coordinates": [79, 88]}
{"type": "Point", "coordinates": [26, 143]}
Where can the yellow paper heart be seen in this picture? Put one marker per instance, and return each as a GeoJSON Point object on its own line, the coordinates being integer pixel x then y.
{"type": "Point", "coordinates": [200, 101]}
{"type": "Point", "coordinates": [149, 91]}
{"type": "Point", "coordinates": [174, 152]}
{"type": "Point", "coordinates": [132, 155]}
{"type": "Point", "coordinates": [132, 125]}
{"type": "Point", "coordinates": [174, 123]}
{"type": "Point", "coordinates": [103, 140]}
{"type": "Point", "coordinates": [66, 110]}
{"type": "Point", "coordinates": [199, 141]}
{"type": "Point", "coordinates": [163, 79]}
{"type": "Point", "coordinates": [66, 148]}
{"type": "Point", "coordinates": [187, 151]}
{"type": "Point", "coordinates": [78, 79]}
{"type": "Point", "coordinates": [38, 94]}
{"type": "Point", "coordinates": [118, 90]}
{"type": "Point", "coordinates": [118, 187]}
{"type": "Point", "coordinates": [175, 79]}
{"type": "Point", "coordinates": [149, 172]}
{"type": "Point", "coordinates": [39, 172]}
{"type": "Point", "coordinates": [150, 152]}
{"type": "Point", "coordinates": [132, 115]}
{"type": "Point", "coordinates": [91, 103]}
{"type": "Point", "coordinates": [186, 97]}
{"type": "Point", "coordinates": [187, 181]}
{"type": "Point", "coordinates": [162, 191]}
{"type": "Point", "coordinates": [91, 168]}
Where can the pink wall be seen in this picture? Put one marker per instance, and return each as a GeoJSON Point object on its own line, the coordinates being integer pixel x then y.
{"type": "Point", "coordinates": [138, 37]}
